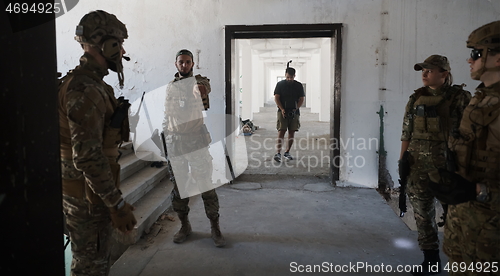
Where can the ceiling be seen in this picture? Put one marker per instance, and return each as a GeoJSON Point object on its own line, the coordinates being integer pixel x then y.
{"type": "Point", "coordinates": [278, 51]}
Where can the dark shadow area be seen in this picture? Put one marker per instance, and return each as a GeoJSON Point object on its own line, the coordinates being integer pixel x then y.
{"type": "Point", "coordinates": [31, 235]}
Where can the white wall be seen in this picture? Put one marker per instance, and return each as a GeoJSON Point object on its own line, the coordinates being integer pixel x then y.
{"type": "Point", "coordinates": [313, 81]}
{"type": "Point", "coordinates": [258, 86]}
{"type": "Point", "coordinates": [252, 69]}
{"type": "Point", "coordinates": [273, 74]}
{"type": "Point", "coordinates": [326, 84]}
{"type": "Point", "coordinates": [246, 81]}
{"type": "Point", "coordinates": [414, 30]}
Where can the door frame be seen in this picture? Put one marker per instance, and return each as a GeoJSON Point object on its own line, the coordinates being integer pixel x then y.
{"type": "Point", "coordinates": [333, 31]}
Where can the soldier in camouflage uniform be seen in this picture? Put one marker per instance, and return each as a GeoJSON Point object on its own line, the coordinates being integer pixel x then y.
{"type": "Point", "coordinates": [92, 124]}
{"type": "Point", "coordinates": [472, 230]}
{"type": "Point", "coordinates": [190, 137]}
{"type": "Point", "coordinates": [432, 112]}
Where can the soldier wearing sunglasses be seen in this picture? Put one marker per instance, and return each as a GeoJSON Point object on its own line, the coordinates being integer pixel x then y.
{"type": "Point", "coordinates": [472, 230]}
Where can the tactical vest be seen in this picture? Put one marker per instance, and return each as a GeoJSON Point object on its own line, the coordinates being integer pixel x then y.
{"type": "Point", "coordinates": [431, 115]}
{"type": "Point", "coordinates": [475, 162]}
{"type": "Point", "coordinates": [112, 137]}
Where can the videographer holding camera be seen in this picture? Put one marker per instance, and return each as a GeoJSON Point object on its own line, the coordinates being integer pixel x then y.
{"type": "Point", "coordinates": [289, 96]}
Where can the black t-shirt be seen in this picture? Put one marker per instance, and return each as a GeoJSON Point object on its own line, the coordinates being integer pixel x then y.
{"type": "Point", "coordinates": [290, 92]}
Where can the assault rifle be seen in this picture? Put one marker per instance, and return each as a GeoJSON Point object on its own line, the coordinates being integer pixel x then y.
{"type": "Point", "coordinates": [451, 167]}
{"type": "Point", "coordinates": [404, 171]}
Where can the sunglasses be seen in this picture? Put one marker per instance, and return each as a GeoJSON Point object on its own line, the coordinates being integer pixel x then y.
{"type": "Point", "coordinates": [475, 54]}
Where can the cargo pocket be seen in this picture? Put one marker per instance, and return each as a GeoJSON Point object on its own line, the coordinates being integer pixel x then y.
{"type": "Point", "coordinates": [488, 241]}
{"type": "Point", "coordinates": [419, 124]}
{"type": "Point", "coordinates": [433, 125]}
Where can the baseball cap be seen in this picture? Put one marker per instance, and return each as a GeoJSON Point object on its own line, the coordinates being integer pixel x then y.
{"type": "Point", "coordinates": [433, 62]}
{"type": "Point", "coordinates": [184, 52]}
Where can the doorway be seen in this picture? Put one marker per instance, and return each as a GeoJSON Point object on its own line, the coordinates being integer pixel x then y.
{"type": "Point", "coordinates": [286, 32]}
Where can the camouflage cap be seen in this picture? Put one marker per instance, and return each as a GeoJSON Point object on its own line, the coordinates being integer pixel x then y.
{"type": "Point", "coordinates": [433, 62]}
{"type": "Point", "coordinates": [487, 35]}
{"type": "Point", "coordinates": [184, 52]}
{"type": "Point", "coordinates": [96, 25]}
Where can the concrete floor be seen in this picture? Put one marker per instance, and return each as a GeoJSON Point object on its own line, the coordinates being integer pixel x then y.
{"type": "Point", "coordinates": [279, 220]}
{"type": "Point", "coordinates": [269, 224]}
{"type": "Point", "coordinates": [310, 149]}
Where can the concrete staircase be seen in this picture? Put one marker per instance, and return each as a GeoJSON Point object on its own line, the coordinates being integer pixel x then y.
{"type": "Point", "coordinates": [146, 188]}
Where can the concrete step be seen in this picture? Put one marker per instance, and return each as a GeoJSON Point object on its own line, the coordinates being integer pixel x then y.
{"type": "Point", "coordinates": [270, 102]}
{"type": "Point", "coordinates": [150, 206]}
{"type": "Point", "coordinates": [268, 108]}
{"type": "Point", "coordinates": [141, 182]}
{"type": "Point", "coordinates": [146, 188]}
{"type": "Point", "coordinates": [132, 163]}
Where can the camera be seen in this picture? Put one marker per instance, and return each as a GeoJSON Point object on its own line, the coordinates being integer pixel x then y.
{"type": "Point", "coordinates": [289, 113]}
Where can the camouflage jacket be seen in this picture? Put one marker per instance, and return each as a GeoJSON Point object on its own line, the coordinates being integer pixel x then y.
{"type": "Point", "coordinates": [489, 96]}
{"type": "Point", "coordinates": [86, 104]}
{"type": "Point", "coordinates": [478, 146]}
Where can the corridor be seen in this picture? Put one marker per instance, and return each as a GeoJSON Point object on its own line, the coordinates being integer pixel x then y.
{"type": "Point", "coordinates": [281, 220]}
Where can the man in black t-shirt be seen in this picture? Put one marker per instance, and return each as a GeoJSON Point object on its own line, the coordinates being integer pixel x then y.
{"type": "Point", "coordinates": [289, 97]}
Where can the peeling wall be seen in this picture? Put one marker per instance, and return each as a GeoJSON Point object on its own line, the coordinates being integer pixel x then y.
{"type": "Point", "coordinates": [382, 41]}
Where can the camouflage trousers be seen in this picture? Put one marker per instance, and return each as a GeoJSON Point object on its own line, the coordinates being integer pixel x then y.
{"type": "Point", "coordinates": [90, 229]}
{"type": "Point", "coordinates": [423, 203]}
{"type": "Point", "coordinates": [210, 199]}
{"type": "Point", "coordinates": [425, 156]}
{"type": "Point", "coordinates": [472, 234]}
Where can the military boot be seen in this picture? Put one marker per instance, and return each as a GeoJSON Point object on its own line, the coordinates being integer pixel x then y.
{"type": "Point", "coordinates": [185, 230]}
{"type": "Point", "coordinates": [431, 264]}
{"type": "Point", "coordinates": [219, 240]}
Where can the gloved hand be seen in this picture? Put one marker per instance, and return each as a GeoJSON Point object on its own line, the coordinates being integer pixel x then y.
{"type": "Point", "coordinates": [123, 219]}
{"type": "Point", "coordinates": [199, 90]}
{"type": "Point", "coordinates": [451, 188]}
{"type": "Point", "coordinates": [202, 89]}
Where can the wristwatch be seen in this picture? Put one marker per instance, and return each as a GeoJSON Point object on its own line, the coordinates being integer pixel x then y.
{"type": "Point", "coordinates": [483, 193]}
{"type": "Point", "coordinates": [120, 204]}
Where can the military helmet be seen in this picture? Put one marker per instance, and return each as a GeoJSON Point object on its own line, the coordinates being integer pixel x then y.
{"type": "Point", "coordinates": [487, 35]}
{"type": "Point", "coordinates": [105, 31]}
{"type": "Point", "coordinates": [97, 26]}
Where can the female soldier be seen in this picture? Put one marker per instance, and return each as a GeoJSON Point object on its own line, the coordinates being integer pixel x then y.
{"type": "Point", "coordinates": [432, 113]}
